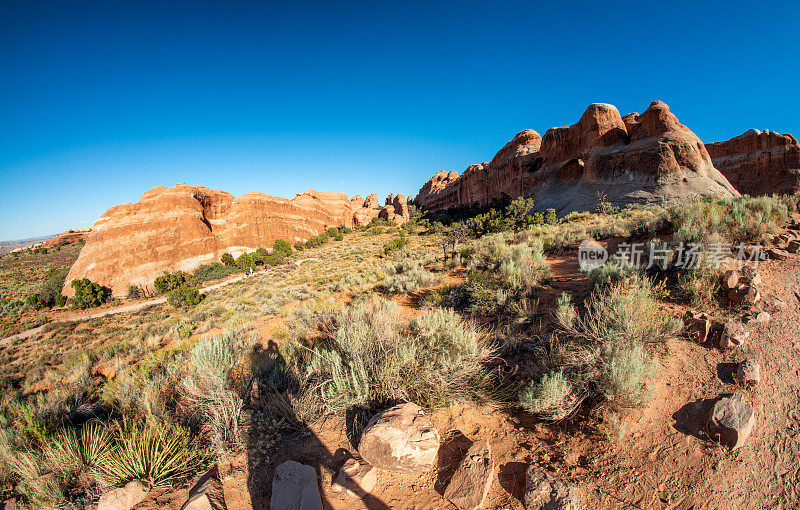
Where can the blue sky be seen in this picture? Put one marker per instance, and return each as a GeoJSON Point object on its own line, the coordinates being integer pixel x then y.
{"type": "Point", "coordinates": [100, 101]}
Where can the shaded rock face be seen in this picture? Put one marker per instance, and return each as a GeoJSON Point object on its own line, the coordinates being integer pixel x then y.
{"type": "Point", "coordinates": [644, 158]}
{"type": "Point", "coordinates": [295, 488]}
{"type": "Point", "coordinates": [182, 227]}
{"type": "Point", "coordinates": [759, 162]}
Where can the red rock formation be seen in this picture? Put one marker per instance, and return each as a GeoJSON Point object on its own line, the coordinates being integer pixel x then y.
{"type": "Point", "coordinates": [69, 236]}
{"type": "Point", "coordinates": [759, 162]}
{"type": "Point", "coordinates": [372, 202]}
{"type": "Point", "coordinates": [639, 158]}
{"type": "Point", "coordinates": [179, 228]}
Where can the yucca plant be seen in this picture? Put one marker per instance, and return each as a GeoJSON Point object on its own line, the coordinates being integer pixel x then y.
{"type": "Point", "coordinates": [154, 453]}
{"type": "Point", "coordinates": [84, 449]}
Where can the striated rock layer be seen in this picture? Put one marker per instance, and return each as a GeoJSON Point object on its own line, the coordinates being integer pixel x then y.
{"type": "Point", "coordinates": [759, 162]}
{"type": "Point", "coordinates": [647, 158]}
{"type": "Point", "coordinates": [182, 227]}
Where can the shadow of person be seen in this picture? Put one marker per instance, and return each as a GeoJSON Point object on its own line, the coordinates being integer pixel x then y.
{"type": "Point", "coordinates": [275, 434]}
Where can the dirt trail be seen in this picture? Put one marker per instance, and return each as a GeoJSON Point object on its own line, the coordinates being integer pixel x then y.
{"type": "Point", "coordinates": [132, 307]}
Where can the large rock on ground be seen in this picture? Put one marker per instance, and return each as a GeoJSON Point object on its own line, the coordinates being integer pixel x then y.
{"type": "Point", "coordinates": [294, 487]}
{"type": "Point", "coordinates": [759, 162]}
{"type": "Point", "coordinates": [731, 420]}
{"type": "Point", "coordinates": [647, 158]}
{"type": "Point", "coordinates": [123, 498]}
{"type": "Point", "coordinates": [402, 439]}
{"type": "Point", "coordinates": [470, 484]}
{"type": "Point", "coordinates": [544, 492]}
{"type": "Point", "coordinates": [748, 372]}
{"type": "Point", "coordinates": [179, 228]}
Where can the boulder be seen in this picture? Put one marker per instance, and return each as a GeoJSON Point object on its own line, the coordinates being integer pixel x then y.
{"type": "Point", "coordinates": [355, 477]}
{"type": "Point", "coordinates": [544, 492]}
{"type": "Point", "coordinates": [744, 295]}
{"type": "Point", "coordinates": [748, 372]}
{"type": "Point", "coordinates": [730, 421]}
{"type": "Point", "coordinates": [777, 254]}
{"type": "Point", "coordinates": [730, 279]}
{"type": "Point", "coordinates": [698, 326]}
{"type": "Point", "coordinates": [123, 498]}
{"type": "Point", "coordinates": [402, 439]}
{"type": "Point", "coordinates": [759, 162]}
{"type": "Point", "coordinates": [647, 158]}
{"type": "Point", "coordinates": [749, 275]}
{"type": "Point", "coordinates": [294, 487]}
{"type": "Point", "coordinates": [734, 334]}
{"type": "Point", "coordinates": [469, 486]}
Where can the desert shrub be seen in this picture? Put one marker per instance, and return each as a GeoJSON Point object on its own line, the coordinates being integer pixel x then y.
{"type": "Point", "coordinates": [345, 230]}
{"type": "Point", "coordinates": [228, 259]}
{"type": "Point", "coordinates": [35, 301]}
{"type": "Point", "coordinates": [604, 206]}
{"type": "Point", "coordinates": [609, 273]}
{"type": "Point", "coordinates": [317, 241]}
{"type": "Point", "coordinates": [212, 271]}
{"type": "Point", "coordinates": [211, 391]}
{"type": "Point", "coordinates": [406, 276]}
{"type": "Point", "coordinates": [88, 294]}
{"type": "Point", "coordinates": [184, 297]}
{"type": "Point", "coordinates": [395, 244]}
{"type": "Point", "coordinates": [245, 262]}
{"type": "Point", "coordinates": [281, 247]}
{"type": "Point", "coordinates": [169, 281]}
{"type": "Point", "coordinates": [134, 292]}
{"type": "Point", "coordinates": [700, 284]}
{"type": "Point", "coordinates": [370, 358]}
{"type": "Point", "coordinates": [337, 237]}
{"type": "Point", "coordinates": [299, 246]}
{"type": "Point", "coordinates": [332, 231]}
{"type": "Point", "coordinates": [552, 398]}
{"type": "Point", "coordinates": [607, 356]}
{"type": "Point", "coordinates": [156, 453]}
{"type": "Point", "coordinates": [274, 259]}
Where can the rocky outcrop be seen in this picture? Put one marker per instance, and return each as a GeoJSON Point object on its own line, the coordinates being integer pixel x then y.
{"type": "Point", "coordinates": [644, 158]}
{"type": "Point", "coordinates": [69, 236]}
{"type": "Point", "coordinates": [759, 162]}
{"type": "Point", "coordinates": [469, 486]}
{"type": "Point", "coordinates": [179, 228]}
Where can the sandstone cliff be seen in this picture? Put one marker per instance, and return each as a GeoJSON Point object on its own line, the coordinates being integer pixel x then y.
{"type": "Point", "coordinates": [759, 162]}
{"type": "Point", "coordinates": [179, 228]}
{"type": "Point", "coordinates": [637, 158]}
{"type": "Point", "coordinates": [69, 236]}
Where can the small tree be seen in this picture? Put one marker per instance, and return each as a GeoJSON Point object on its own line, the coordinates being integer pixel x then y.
{"type": "Point", "coordinates": [184, 297]}
{"type": "Point", "coordinates": [458, 233]}
{"type": "Point", "coordinates": [169, 281]}
{"type": "Point", "coordinates": [227, 259]}
{"type": "Point", "coordinates": [281, 247]}
{"type": "Point", "coordinates": [299, 246]}
{"type": "Point", "coordinates": [88, 294]}
{"type": "Point", "coordinates": [245, 262]}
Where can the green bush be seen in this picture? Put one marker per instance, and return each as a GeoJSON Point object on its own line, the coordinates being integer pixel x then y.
{"type": "Point", "coordinates": [332, 231]}
{"type": "Point", "coordinates": [274, 259]}
{"type": "Point", "coordinates": [299, 246]}
{"type": "Point", "coordinates": [281, 247]}
{"type": "Point", "coordinates": [337, 236]}
{"type": "Point", "coordinates": [228, 259]}
{"type": "Point", "coordinates": [168, 281]}
{"type": "Point", "coordinates": [88, 294]}
{"type": "Point", "coordinates": [407, 275]}
{"type": "Point", "coordinates": [184, 297]}
{"type": "Point", "coordinates": [35, 301]}
{"type": "Point", "coordinates": [212, 271]}
{"type": "Point", "coordinates": [245, 262]}
{"type": "Point", "coordinates": [395, 244]}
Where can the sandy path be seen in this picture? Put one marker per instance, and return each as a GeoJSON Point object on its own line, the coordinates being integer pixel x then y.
{"type": "Point", "coordinates": [82, 316]}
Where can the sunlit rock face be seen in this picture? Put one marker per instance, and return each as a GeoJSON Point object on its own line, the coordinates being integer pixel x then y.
{"type": "Point", "coordinates": [642, 158]}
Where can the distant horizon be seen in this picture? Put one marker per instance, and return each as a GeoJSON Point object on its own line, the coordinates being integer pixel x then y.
{"type": "Point", "coordinates": [102, 102]}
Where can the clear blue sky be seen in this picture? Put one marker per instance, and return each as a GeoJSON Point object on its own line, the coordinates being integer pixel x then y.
{"type": "Point", "coordinates": [100, 101]}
